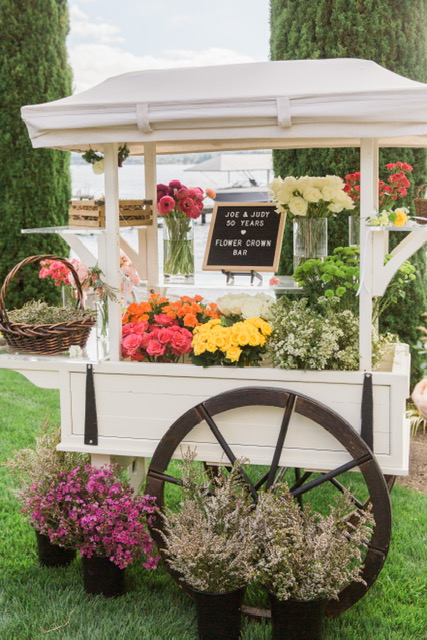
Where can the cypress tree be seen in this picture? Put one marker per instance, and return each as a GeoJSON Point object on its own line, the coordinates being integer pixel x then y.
{"type": "Point", "coordinates": [34, 183]}
{"type": "Point", "coordinates": [378, 30]}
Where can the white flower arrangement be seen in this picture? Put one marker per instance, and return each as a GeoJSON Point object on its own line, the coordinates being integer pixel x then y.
{"type": "Point", "coordinates": [390, 218]}
{"type": "Point", "coordinates": [313, 197]}
{"type": "Point", "coordinates": [247, 306]}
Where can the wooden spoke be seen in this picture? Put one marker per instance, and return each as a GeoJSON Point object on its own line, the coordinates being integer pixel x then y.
{"type": "Point", "coordinates": [226, 448]}
{"type": "Point", "coordinates": [165, 477]}
{"type": "Point", "coordinates": [342, 489]}
{"type": "Point", "coordinates": [300, 481]}
{"type": "Point", "coordinates": [280, 440]}
{"type": "Point", "coordinates": [327, 476]}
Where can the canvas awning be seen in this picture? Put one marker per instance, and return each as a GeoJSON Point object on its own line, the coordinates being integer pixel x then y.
{"type": "Point", "coordinates": [294, 103]}
{"type": "Point", "coordinates": [235, 162]}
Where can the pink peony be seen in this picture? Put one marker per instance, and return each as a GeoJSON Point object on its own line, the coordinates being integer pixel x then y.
{"type": "Point", "coordinates": [155, 348]}
{"type": "Point", "coordinates": [165, 205]}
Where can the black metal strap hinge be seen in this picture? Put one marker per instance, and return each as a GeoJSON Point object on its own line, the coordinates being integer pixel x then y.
{"type": "Point", "coordinates": [367, 417]}
{"type": "Point", "coordinates": [91, 420]}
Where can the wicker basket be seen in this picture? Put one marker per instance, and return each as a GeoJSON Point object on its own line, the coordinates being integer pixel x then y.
{"type": "Point", "coordinates": [421, 205]}
{"type": "Point", "coordinates": [44, 339]}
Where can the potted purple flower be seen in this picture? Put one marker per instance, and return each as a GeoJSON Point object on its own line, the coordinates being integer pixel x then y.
{"type": "Point", "coordinates": [35, 468]}
{"type": "Point", "coordinates": [96, 511]}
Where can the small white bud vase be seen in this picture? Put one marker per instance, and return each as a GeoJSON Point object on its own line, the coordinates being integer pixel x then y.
{"type": "Point", "coordinates": [353, 231]}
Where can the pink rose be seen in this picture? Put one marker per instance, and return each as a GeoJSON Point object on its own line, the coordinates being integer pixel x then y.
{"type": "Point", "coordinates": [140, 327]}
{"type": "Point", "coordinates": [165, 205]}
{"type": "Point", "coordinates": [180, 340]}
{"type": "Point", "coordinates": [164, 335]}
{"type": "Point", "coordinates": [137, 356]}
{"type": "Point", "coordinates": [164, 320]}
{"type": "Point", "coordinates": [131, 343]}
{"type": "Point", "coordinates": [155, 348]}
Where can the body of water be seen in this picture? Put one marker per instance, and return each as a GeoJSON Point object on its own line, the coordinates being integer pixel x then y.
{"type": "Point", "coordinates": [131, 179]}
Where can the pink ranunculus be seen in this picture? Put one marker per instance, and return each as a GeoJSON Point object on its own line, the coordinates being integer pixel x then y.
{"type": "Point", "coordinates": [162, 190]}
{"type": "Point", "coordinates": [185, 205]}
{"type": "Point", "coordinates": [181, 340]}
{"type": "Point", "coordinates": [175, 184]}
{"type": "Point", "coordinates": [182, 193]}
{"type": "Point", "coordinates": [196, 192]}
{"type": "Point", "coordinates": [164, 320]}
{"type": "Point", "coordinates": [193, 213]}
{"type": "Point", "coordinates": [155, 348]}
{"type": "Point", "coordinates": [131, 343]}
{"type": "Point", "coordinates": [165, 205]}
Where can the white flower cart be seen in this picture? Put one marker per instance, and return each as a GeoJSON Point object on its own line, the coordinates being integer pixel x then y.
{"type": "Point", "coordinates": [310, 420]}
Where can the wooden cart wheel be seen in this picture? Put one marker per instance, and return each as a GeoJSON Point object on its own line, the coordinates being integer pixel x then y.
{"type": "Point", "coordinates": [307, 481]}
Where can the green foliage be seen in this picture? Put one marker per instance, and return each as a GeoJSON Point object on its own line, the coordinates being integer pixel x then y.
{"type": "Point", "coordinates": [337, 276]}
{"type": "Point", "coordinates": [34, 183]}
{"type": "Point", "coordinates": [356, 29]}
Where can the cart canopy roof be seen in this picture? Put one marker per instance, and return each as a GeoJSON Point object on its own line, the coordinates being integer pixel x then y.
{"type": "Point", "coordinates": [286, 104]}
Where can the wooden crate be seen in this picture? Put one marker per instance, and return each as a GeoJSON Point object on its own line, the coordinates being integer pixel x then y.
{"type": "Point", "coordinates": [91, 213]}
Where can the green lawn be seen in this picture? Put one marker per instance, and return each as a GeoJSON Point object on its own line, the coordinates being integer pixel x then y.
{"type": "Point", "coordinates": [38, 603]}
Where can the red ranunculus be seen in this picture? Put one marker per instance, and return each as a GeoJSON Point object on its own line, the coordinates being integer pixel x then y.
{"type": "Point", "coordinates": [165, 205]}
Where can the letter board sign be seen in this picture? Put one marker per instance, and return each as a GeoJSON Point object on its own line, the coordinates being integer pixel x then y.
{"type": "Point", "coordinates": [244, 237]}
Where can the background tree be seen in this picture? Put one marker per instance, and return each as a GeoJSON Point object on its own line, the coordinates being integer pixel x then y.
{"type": "Point", "coordinates": [377, 30]}
{"type": "Point", "coordinates": [34, 183]}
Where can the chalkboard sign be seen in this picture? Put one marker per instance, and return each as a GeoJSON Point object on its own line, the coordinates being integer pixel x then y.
{"type": "Point", "coordinates": [244, 237]}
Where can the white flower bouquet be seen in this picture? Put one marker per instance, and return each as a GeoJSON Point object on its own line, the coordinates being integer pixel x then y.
{"type": "Point", "coordinates": [312, 197]}
{"type": "Point", "coordinates": [247, 306]}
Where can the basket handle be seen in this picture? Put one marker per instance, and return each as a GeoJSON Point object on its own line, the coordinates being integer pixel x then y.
{"type": "Point", "coordinates": [29, 260]}
{"type": "Point", "coordinates": [423, 186]}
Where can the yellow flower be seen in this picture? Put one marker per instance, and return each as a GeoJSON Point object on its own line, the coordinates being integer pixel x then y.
{"type": "Point", "coordinates": [233, 354]}
{"type": "Point", "coordinates": [401, 219]}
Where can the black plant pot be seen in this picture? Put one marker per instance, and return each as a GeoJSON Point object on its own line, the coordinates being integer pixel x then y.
{"type": "Point", "coordinates": [102, 577]}
{"type": "Point", "coordinates": [218, 614]}
{"type": "Point", "coordinates": [297, 619]}
{"type": "Point", "coordinates": [52, 555]}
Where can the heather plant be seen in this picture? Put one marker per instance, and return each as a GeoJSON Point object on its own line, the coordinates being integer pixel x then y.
{"type": "Point", "coordinates": [207, 541]}
{"type": "Point", "coordinates": [42, 464]}
{"type": "Point", "coordinates": [37, 312]}
{"type": "Point", "coordinates": [304, 555]}
{"type": "Point", "coordinates": [95, 511]}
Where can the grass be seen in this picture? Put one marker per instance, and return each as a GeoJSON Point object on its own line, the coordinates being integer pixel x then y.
{"type": "Point", "coordinates": [37, 602]}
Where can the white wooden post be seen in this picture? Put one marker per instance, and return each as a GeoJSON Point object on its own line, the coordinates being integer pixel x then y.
{"type": "Point", "coordinates": [111, 267]}
{"type": "Point", "coordinates": [151, 193]}
{"type": "Point", "coordinates": [368, 202]}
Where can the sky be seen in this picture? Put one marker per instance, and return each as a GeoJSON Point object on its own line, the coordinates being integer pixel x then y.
{"type": "Point", "coordinates": [109, 37]}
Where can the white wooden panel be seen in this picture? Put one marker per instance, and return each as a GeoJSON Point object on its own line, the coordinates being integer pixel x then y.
{"type": "Point", "coordinates": [134, 412]}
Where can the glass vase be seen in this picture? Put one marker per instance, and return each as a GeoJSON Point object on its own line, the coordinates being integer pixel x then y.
{"type": "Point", "coordinates": [178, 249]}
{"type": "Point", "coordinates": [310, 239]}
{"type": "Point", "coordinates": [353, 231]}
